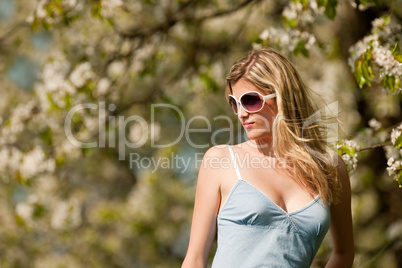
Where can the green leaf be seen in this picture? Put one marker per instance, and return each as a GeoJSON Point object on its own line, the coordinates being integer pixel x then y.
{"type": "Point", "coordinates": [96, 10]}
{"type": "Point", "coordinates": [209, 82]}
{"type": "Point", "coordinates": [59, 8]}
{"type": "Point", "coordinates": [377, 2]}
{"type": "Point", "coordinates": [301, 48]}
{"type": "Point", "coordinates": [38, 211]}
{"type": "Point", "coordinates": [258, 40]}
{"type": "Point", "coordinates": [359, 78]}
{"type": "Point", "coordinates": [390, 82]}
{"type": "Point", "coordinates": [387, 19]}
{"type": "Point", "coordinates": [59, 160]}
{"type": "Point", "coordinates": [367, 56]}
{"type": "Point", "coordinates": [68, 101]}
{"type": "Point", "coordinates": [363, 70]}
{"type": "Point", "coordinates": [49, 9]}
{"type": "Point", "coordinates": [53, 105]}
{"type": "Point", "coordinates": [397, 81]}
{"type": "Point", "coordinates": [330, 9]}
{"type": "Point", "coordinates": [304, 2]}
{"type": "Point", "coordinates": [20, 179]}
{"type": "Point", "coordinates": [291, 23]}
{"type": "Point", "coordinates": [366, 73]}
{"type": "Point", "coordinates": [348, 150]}
{"type": "Point", "coordinates": [86, 151]}
{"type": "Point", "coordinates": [398, 142]}
{"type": "Point", "coordinates": [399, 178]}
{"type": "Point", "coordinates": [321, 3]}
{"type": "Point", "coordinates": [19, 220]}
{"type": "Point", "coordinates": [396, 52]}
{"type": "Point", "coordinates": [46, 136]}
{"type": "Point", "coordinates": [359, 73]}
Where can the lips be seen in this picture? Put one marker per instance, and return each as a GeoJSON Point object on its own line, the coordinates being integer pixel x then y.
{"type": "Point", "coordinates": [248, 124]}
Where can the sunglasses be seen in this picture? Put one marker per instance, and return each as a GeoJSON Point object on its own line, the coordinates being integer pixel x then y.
{"type": "Point", "coordinates": [251, 101]}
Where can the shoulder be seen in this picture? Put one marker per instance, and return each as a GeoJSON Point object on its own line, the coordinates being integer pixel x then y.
{"type": "Point", "coordinates": [343, 181]}
{"type": "Point", "coordinates": [213, 168]}
{"type": "Point", "coordinates": [221, 150]}
{"type": "Point", "coordinates": [342, 170]}
{"type": "Point", "coordinates": [216, 158]}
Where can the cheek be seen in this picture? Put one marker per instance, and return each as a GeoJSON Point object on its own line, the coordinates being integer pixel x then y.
{"type": "Point", "coordinates": [270, 110]}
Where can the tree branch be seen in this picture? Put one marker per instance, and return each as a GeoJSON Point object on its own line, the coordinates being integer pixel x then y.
{"type": "Point", "coordinates": [228, 11]}
{"type": "Point", "coordinates": [11, 31]}
{"type": "Point", "coordinates": [170, 22]}
{"type": "Point", "coordinates": [374, 146]}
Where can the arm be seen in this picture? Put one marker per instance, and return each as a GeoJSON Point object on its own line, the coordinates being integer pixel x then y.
{"type": "Point", "coordinates": [341, 224]}
{"type": "Point", "coordinates": [207, 199]}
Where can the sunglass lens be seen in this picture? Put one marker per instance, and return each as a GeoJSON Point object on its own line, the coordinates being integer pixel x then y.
{"type": "Point", "coordinates": [233, 104]}
{"type": "Point", "coordinates": [252, 102]}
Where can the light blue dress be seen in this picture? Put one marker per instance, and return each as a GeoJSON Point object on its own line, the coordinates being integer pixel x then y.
{"type": "Point", "coordinates": [253, 231]}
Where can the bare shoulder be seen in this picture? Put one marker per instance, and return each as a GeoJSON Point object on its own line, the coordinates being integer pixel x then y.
{"type": "Point", "coordinates": [220, 150]}
{"type": "Point", "coordinates": [344, 181]}
{"type": "Point", "coordinates": [343, 174]}
{"type": "Point", "coordinates": [215, 163]}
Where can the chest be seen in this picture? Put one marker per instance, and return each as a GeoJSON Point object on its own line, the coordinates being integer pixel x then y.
{"type": "Point", "coordinates": [246, 205]}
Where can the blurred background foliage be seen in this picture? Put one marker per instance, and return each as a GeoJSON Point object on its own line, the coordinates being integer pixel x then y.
{"type": "Point", "coordinates": [146, 67]}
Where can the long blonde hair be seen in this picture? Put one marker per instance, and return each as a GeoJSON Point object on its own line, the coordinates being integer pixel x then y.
{"type": "Point", "coordinates": [297, 139]}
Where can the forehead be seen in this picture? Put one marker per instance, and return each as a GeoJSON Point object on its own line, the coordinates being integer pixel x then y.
{"type": "Point", "coordinates": [242, 86]}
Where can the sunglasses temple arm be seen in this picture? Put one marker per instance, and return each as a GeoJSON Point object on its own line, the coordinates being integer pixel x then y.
{"type": "Point", "coordinates": [270, 96]}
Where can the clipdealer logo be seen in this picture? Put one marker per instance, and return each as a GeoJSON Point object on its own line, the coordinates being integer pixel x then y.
{"type": "Point", "coordinates": [119, 124]}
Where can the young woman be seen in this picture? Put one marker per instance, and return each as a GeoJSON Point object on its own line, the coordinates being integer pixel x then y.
{"type": "Point", "coordinates": [271, 199]}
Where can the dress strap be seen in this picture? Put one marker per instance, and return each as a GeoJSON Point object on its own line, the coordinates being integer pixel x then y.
{"type": "Point", "coordinates": [234, 162]}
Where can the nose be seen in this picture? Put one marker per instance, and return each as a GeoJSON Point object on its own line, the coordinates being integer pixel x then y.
{"type": "Point", "coordinates": [241, 112]}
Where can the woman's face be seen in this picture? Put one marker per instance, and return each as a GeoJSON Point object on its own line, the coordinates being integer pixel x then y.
{"type": "Point", "coordinates": [258, 125]}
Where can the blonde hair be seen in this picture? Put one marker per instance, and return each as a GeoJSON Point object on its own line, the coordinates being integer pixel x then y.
{"type": "Point", "coordinates": [296, 140]}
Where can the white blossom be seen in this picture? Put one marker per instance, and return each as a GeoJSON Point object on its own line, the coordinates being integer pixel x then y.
{"type": "Point", "coordinates": [116, 69]}
{"type": "Point", "coordinates": [383, 57]}
{"type": "Point", "coordinates": [25, 211]}
{"type": "Point", "coordinates": [66, 148]}
{"type": "Point", "coordinates": [374, 124]}
{"type": "Point", "coordinates": [384, 62]}
{"type": "Point", "coordinates": [290, 11]}
{"type": "Point", "coordinates": [395, 133]}
{"type": "Point", "coordinates": [378, 22]}
{"type": "Point", "coordinates": [287, 39]}
{"type": "Point", "coordinates": [29, 164]}
{"type": "Point", "coordinates": [81, 74]}
{"type": "Point", "coordinates": [69, 3]}
{"type": "Point", "coordinates": [352, 4]}
{"type": "Point", "coordinates": [26, 208]}
{"type": "Point", "coordinates": [108, 7]}
{"type": "Point", "coordinates": [138, 133]}
{"type": "Point", "coordinates": [394, 231]}
{"type": "Point", "coordinates": [264, 35]}
{"type": "Point", "coordinates": [40, 11]}
{"type": "Point", "coordinates": [35, 162]}
{"type": "Point", "coordinates": [303, 15]}
{"type": "Point", "coordinates": [66, 215]}
{"type": "Point", "coordinates": [156, 131]}
{"type": "Point", "coordinates": [394, 167]}
{"type": "Point", "coordinates": [350, 161]}
{"type": "Point", "coordinates": [22, 112]}
{"type": "Point", "coordinates": [54, 87]}
{"type": "Point", "coordinates": [102, 87]}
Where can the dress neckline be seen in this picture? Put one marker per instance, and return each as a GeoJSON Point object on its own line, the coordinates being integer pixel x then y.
{"type": "Point", "coordinates": [268, 199]}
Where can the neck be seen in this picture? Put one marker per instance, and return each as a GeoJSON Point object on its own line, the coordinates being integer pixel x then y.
{"type": "Point", "coordinates": [264, 146]}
